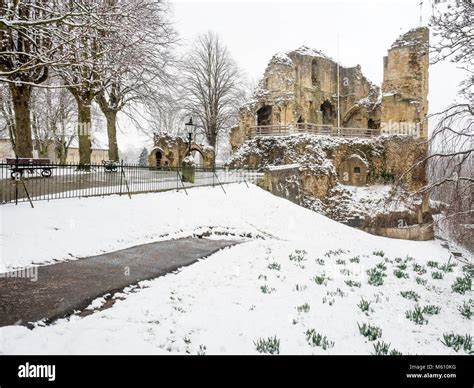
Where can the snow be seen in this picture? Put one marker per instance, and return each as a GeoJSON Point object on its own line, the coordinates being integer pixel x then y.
{"type": "Point", "coordinates": [216, 306]}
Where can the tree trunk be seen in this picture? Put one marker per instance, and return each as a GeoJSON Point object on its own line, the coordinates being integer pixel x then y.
{"type": "Point", "coordinates": [21, 96]}
{"type": "Point", "coordinates": [111, 117]}
{"type": "Point", "coordinates": [84, 128]}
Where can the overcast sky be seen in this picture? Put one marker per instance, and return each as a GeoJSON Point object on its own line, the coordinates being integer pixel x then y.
{"type": "Point", "coordinates": [255, 31]}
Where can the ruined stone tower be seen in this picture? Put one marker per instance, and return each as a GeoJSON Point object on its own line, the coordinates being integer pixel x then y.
{"type": "Point", "coordinates": [302, 86]}
{"type": "Point", "coordinates": [405, 85]}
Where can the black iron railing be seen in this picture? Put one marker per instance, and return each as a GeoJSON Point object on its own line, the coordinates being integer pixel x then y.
{"type": "Point", "coordinates": [21, 181]}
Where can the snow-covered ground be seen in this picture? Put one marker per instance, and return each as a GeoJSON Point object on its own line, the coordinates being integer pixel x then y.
{"type": "Point", "coordinates": [301, 275]}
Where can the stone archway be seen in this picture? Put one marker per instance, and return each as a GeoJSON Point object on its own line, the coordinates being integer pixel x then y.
{"type": "Point", "coordinates": [353, 171]}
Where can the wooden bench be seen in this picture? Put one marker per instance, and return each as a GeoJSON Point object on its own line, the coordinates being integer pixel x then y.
{"type": "Point", "coordinates": [20, 165]}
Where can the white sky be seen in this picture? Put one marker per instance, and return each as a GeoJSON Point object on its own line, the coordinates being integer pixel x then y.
{"type": "Point", "coordinates": [255, 31]}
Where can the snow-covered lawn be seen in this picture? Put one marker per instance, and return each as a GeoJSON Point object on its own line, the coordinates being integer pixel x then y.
{"type": "Point", "coordinates": [300, 279]}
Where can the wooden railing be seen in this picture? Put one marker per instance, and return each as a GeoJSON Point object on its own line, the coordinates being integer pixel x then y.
{"type": "Point", "coordinates": [316, 129]}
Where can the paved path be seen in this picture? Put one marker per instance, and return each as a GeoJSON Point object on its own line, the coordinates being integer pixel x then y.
{"type": "Point", "coordinates": [65, 287]}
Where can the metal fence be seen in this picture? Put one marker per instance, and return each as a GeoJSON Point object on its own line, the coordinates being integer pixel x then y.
{"type": "Point", "coordinates": [21, 182]}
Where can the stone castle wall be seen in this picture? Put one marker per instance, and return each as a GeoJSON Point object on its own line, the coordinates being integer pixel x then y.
{"type": "Point", "coordinates": [301, 86]}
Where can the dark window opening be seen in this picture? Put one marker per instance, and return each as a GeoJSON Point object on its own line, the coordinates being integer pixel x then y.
{"type": "Point", "coordinates": [328, 112]}
{"type": "Point", "coordinates": [158, 156]}
{"type": "Point", "coordinates": [371, 124]}
{"type": "Point", "coordinates": [264, 115]}
{"type": "Point", "coordinates": [356, 170]}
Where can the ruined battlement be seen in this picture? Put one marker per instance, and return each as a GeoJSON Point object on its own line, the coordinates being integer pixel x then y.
{"type": "Point", "coordinates": [307, 86]}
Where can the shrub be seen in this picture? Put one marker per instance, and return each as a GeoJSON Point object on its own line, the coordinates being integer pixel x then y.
{"type": "Point", "coordinates": [355, 259]}
{"type": "Point", "coordinates": [378, 253]}
{"type": "Point", "coordinates": [268, 346]}
{"type": "Point", "coordinates": [437, 275]}
{"type": "Point", "coordinates": [340, 262]}
{"type": "Point", "coordinates": [432, 264]}
{"type": "Point", "coordinates": [320, 262]}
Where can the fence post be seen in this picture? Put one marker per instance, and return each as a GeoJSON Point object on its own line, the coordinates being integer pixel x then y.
{"type": "Point", "coordinates": [121, 177]}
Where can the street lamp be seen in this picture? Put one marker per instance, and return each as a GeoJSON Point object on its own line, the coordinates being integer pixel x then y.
{"type": "Point", "coordinates": [190, 127]}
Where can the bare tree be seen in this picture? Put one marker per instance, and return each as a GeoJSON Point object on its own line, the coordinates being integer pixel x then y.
{"type": "Point", "coordinates": [53, 113]}
{"type": "Point", "coordinates": [450, 160]}
{"type": "Point", "coordinates": [30, 39]}
{"type": "Point", "coordinates": [137, 73]}
{"type": "Point", "coordinates": [212, 86]}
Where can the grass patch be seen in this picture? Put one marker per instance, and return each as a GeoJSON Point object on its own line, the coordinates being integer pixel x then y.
{"type": "Point", "coordinates": [416, 315]}
{"type": "Point", "coordinates": [437, 275]}
{"type": "Point", "coordinates": [421, 281]}
{"type": "Point", "coordinates": [320, 261]}
{"type": "Point", "coordinates": [320, 279]}
{"type": "Point", "coordinates": [316, 339]}
{"type": "Point", "coordinates": [432, 264]}
{"type": "Point", "coordinates": [383, 349]}
{"type": "Point", "coordinates": [298, 255]}
{"type": "Point", "coordinates": [352, 283]}
{"type": "Point", "coordinates": [431, 310]}
{"type": "Point", "coordinates": [340, 262]}
{"type": "Point", "coordinates": [268, 346]}
{"type": "Point", "coordinates": [303, 308]}
{"type": "Point", "coordinates": [267, 290]}
{"type": "Point", "coordinates": [364, 306]}
{"type": "Point", "coordinates": [379, 253]}
{"type": "Point", "coordinates": [457, 342]}
{"type": "Point", "coordinates": [400, 274]}
{"type": "Point", "coordinates": [274, 266]}
{"type": "Point", "coordinates": [466, 308]}
{"type": "Point", "coordinates": [375, 277]}
{"type": "Point", "coordinates": [370, 332]}
{"type": "Point", "coordinates": [419, 269]}
{"type": "Point", "coordinates": [300, 287]}
{"type": "Point", "coordinates": [461, 285]}
{"type": "Point", "coordinates": [355, 259]}
{"type": "Point", "coordinates": [412, 295]}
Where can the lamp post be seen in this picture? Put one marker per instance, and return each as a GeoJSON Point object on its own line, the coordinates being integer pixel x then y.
{"type": "Point", "coordinates": [190, 127]}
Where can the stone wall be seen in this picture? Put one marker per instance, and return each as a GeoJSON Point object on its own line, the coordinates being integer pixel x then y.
{"type": "Point", "coordinates": [170, 151]}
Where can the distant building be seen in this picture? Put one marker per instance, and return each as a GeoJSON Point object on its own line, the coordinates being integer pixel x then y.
{"type": "Point", "coordinates": [97, 155]}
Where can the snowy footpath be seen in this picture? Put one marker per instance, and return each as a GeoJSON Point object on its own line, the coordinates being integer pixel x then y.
{"type": "Point", "coordinates": [300, 284]}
